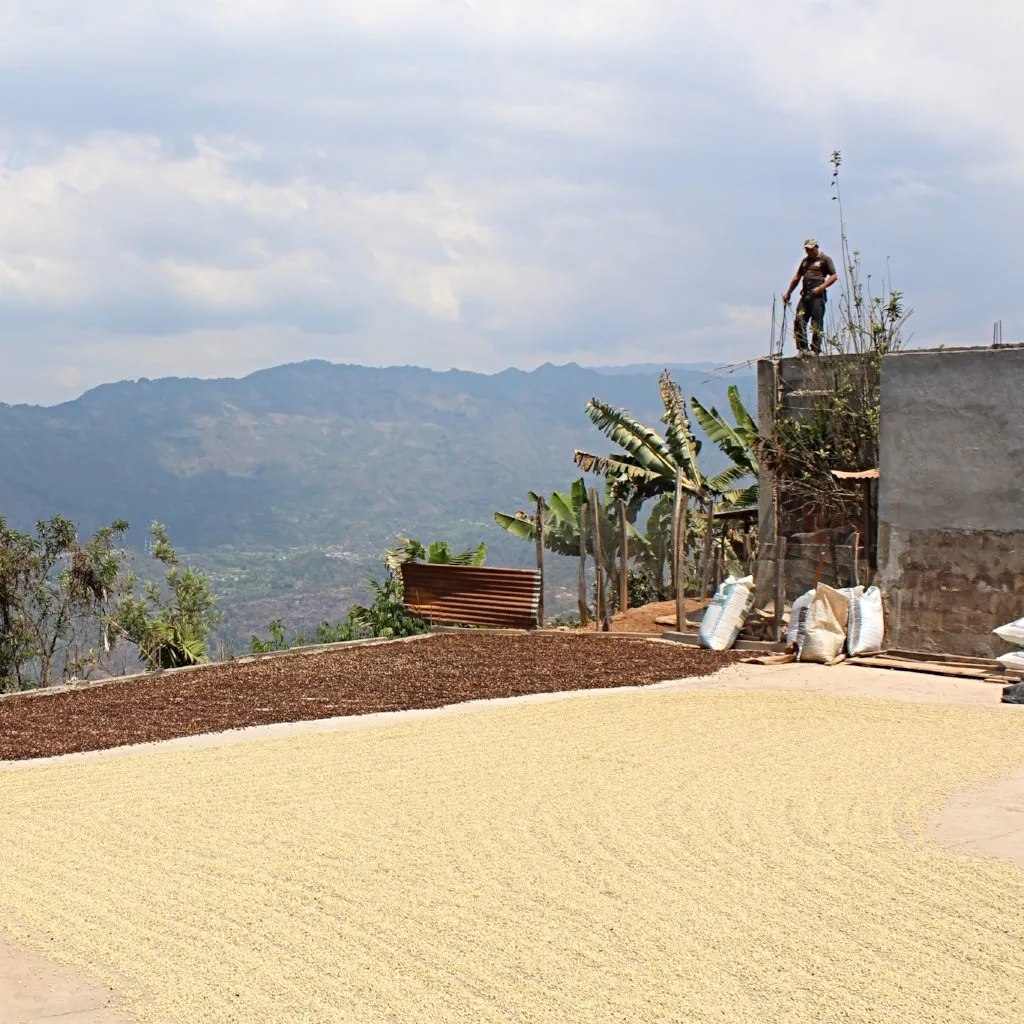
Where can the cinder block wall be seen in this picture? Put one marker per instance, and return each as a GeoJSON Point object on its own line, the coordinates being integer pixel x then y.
{"type": "Point", "coordinates": [951, 497]}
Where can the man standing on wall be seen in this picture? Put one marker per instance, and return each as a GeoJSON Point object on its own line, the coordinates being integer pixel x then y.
{"type": "Point", "coordinates": [818, 274]}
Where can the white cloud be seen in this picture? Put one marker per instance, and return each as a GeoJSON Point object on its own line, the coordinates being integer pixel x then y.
{"type": "Point", "coordinates": [206, 187]}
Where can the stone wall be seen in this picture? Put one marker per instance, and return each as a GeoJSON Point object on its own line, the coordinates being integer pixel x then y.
{"type": "Point", "coordinates": [951, 497]}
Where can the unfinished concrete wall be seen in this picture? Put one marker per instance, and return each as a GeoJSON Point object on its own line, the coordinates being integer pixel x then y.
{"type": "Point", "coordinates": [951, 497]}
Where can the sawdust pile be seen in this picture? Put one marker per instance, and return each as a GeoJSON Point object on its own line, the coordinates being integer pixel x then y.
{"type": "Point", "coordinates": [634, 857]}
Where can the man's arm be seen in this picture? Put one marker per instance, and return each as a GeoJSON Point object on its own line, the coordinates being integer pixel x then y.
{"type": "Point", "coordinates": [792, 284]}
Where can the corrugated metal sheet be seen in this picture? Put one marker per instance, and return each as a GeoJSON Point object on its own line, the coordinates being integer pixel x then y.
{"type": "Point", "coordinates": [468, 595]}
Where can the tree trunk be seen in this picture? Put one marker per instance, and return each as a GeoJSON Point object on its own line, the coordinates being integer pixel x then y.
{"type": "Point", "coordinates": [709, 537]}
{"type": "Point", "coordinates": [679, 552]}
{"type": "Point", "coordinates": [595, 506]}
{"type": "Point", "coordinates": [582, 594]}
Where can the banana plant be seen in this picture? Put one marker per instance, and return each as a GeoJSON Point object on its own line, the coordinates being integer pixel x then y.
{"type": "Point", "coordinates": [739, 443]}
{"type": "Point", "coordinates": [438, 553]}
{"type": "Point", "coordinates": [562, 524]}
{"type": "Point", "coordinates": [648, 463]}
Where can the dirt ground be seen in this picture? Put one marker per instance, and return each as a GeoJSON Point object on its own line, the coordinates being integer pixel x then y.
{"type": "Point", "coordinates": [429, 672]}
{"type": "Point", "coordinates": [758, 844]}
{"type": "Point", "coordinates": [643, 619]}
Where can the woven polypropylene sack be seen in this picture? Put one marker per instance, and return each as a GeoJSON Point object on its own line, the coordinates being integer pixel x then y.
{"type": "Point", "coordinates": [828, 610]}
{"type": "Point", "coordinates": [727, 613]}
{"type": "Point", "coordinates": [837, 600]}
{"type": "Point", "coordinates": [1012, 632]}
{"type": "Point", "coordinates": [821, 646]}
{"type": "Point", "coordinates": [865, 630]}
{"type": "Point", "coordinates": [822, 636]}
{"type": "Point", "coordinates": [1014, 660]}
{"type": "Point", "coordinates": [793, 629]}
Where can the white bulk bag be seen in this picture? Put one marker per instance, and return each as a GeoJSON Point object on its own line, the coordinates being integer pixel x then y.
{"type": "Point", "coordinates": [1012, 632]}
{"type": "Point", "coordinates": [866, 628]}
{"type": "Point", "coordinates": [725, 616]}
{"type": "Point", "coordinates": [1013, 661]}
{"type": "Point", "coordinates": [793, 629]}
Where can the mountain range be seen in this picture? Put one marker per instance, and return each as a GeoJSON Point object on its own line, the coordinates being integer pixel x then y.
{"type": "Point", "coordinates": [319, 458]}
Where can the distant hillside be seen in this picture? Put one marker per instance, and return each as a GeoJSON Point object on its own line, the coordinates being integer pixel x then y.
{"type": "Point", "coordinates": [655, 368]}
{"type": "Point", "coordinates": [313, 452]}
{"type": "Point", "coordinates": [287, 485]}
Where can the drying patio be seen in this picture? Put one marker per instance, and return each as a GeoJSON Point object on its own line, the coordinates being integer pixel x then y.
{"type": "Point", "coordinates": [744, 846]}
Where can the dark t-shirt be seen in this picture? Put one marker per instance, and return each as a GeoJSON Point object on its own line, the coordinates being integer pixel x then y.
{"type": "Point", "coordinates": [814, 270]}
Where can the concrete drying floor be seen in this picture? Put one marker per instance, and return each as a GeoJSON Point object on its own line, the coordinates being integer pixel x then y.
{"type": "Point", "coordinates": [756, 846]}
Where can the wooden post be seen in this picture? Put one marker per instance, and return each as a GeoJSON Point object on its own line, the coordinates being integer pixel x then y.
{"type": "Point", "coordinates": [748, 549]}
{"type": "Point", "coordinates": [624, 558]}
{"type": "Point", "coordinates": [709, 536]}
{"type": "Point", "coordinates": [539, 525]}
{"type": "Point", "coordinates": [780, 586]}
{"type": "Point", "coordinates": [870, 555]}
{"type": "Point", "coordinates": [720, 557]}
{"type": "Point", "coordinates": [598, 575]}
{"type": "Point", "coordinates": [581, 597]}
{"type": "Point", "coordinates": [679, 552]}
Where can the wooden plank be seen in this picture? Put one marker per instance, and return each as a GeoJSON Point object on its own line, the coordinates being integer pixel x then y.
{"type": "Point", "coordinates": [943, 659]}
{"type": "Point", "coordinates": [930, 668]}
{"type": "Point", "coordinates": [693, 640]}
{"type": "Point", "coordinates": [771, 659]}
{"type": "Point", "coordinates": [819, 571]}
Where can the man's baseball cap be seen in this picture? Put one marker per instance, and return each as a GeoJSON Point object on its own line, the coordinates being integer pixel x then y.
{"type": "Point", "coordinates": [811, 243]}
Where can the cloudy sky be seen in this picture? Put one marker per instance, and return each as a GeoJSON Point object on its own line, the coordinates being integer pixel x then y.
{"type": "Point", "coordinates": [206, 187]}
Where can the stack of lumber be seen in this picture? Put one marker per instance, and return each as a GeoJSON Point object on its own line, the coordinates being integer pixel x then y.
{"type": "Point", "coordinates": [959, 666]}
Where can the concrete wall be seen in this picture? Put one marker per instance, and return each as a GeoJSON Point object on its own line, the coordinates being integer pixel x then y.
{"type": "Point", "coordinates": [951, 497]}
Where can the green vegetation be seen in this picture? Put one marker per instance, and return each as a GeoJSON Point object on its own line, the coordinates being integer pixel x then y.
{"type": "Point", "coordinates": [65, 605]}
{"type": "Point", "coordinates": [438, 553]}
{"type": "Point", "coordinates": [650, 463]}
{"type": "Point", "coordinates": [562, 517]}
{"type": "Point", "coordinates": [285, 484]}
{"type": "Point", "coordinates": [169, 625]}
{"type": "Point", "coordinates": [384, 617]}
{"type": "Point", "coordinates": [647, 469]}
{"type": "Point", "coordinates": [55, 595]}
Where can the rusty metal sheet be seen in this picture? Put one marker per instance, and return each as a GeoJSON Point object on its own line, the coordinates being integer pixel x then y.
{"type": "Point", "coordinates": [468, 595]}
